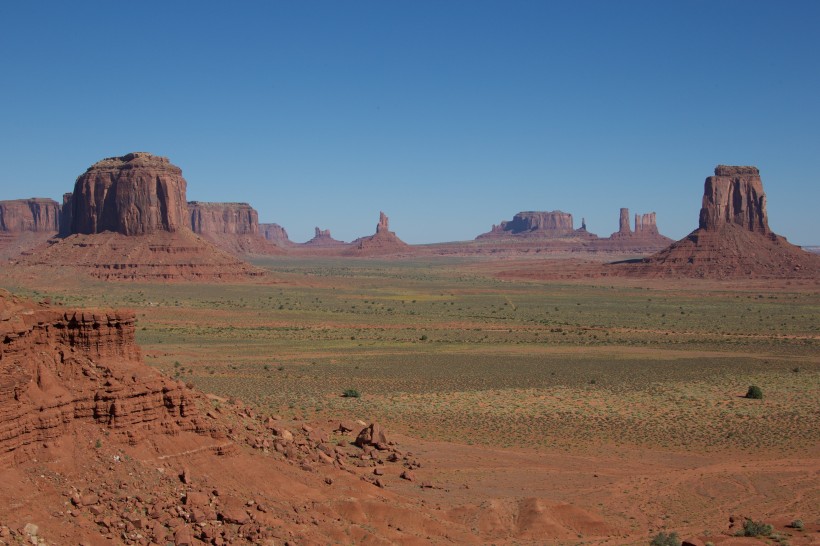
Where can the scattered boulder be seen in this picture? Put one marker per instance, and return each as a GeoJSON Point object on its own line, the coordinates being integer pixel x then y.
{"type": "Point", "coordinates": [373, 435]}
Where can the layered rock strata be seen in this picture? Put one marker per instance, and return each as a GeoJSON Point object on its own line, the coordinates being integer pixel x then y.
{"type": "Point", "coordinates": [59, 367]}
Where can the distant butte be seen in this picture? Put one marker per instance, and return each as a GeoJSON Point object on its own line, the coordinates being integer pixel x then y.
{"type": "Point", "coordinates": [231, 226]}
{"type": "Point", "coordinates": [383, 242]}
{"type": "Point", "coordinates": [733, 238]}
{"type": "Point", "coordinates": [276, 234]}
{"type": "Point", "coordinates": [127, 218]}
{"type": "Point", "coordinates": [323, 239]}
{"type": "Point", "coordinates": [26, 224]}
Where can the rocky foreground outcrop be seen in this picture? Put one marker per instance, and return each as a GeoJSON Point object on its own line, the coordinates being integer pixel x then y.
{"type": "Point", "coordinates": [97, 448]}
{"type": "Point", "coordinates": [733, 239]}
{"type": "Point", "coordinates": [57, 368]}
{"type": "Point", "coordinates": [127, 218]}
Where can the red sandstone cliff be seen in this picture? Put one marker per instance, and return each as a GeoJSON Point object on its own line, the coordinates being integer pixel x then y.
{"type": "Point", "coordinates": [61, 367]}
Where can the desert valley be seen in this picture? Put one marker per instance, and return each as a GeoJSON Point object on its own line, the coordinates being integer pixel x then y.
{"type": "Point", "coordinates": [176, 372]}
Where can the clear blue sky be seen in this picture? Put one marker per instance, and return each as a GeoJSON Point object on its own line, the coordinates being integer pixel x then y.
{"type": "Point", "coordinates": [448, 115]}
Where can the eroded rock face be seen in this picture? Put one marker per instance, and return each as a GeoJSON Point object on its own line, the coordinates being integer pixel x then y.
{"type": "Point", "coordinates": [135, 194]}
{"type": "Point", "coordinates": [533, 223]}
{"type": "Point", "coordinates": [35, 214]}
{"type": "Point", "coordinates": [734, 195]}
{"type": "Point", "coordinates": [275, 233]}
{"type": "Point", "coordinates": [223, 218]}
{"type": "Point", "coordinates": [59, 366]}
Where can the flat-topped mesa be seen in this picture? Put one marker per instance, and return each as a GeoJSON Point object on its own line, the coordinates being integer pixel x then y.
{"type": "Point", "coordinates": [36, 215]}
{"type": "Point", "coordinates": [275, 233]}
{"type": "Point", "coordinates": [734, 195]}
{"type": "Point", "coordinates": [223, 218]}
{"type": "Point", "coordinates": [534, 224]}
{"type": "Point", "coordinates": [134, 194]}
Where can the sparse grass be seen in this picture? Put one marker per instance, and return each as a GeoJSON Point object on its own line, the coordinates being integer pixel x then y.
{"type": "Point", "coordinates": [440, 347]}
{"type": "Point", "coordinates": [756, 529]}
{"type": "Point", "coordinates": [663, 539]}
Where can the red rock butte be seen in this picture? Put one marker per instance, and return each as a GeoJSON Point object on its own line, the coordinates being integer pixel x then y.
{"type": "Point", "coordinates": [733, 239]}
{"type": "Point", "coordinates": [127, 218]}
{"type": "Point", "coordinates": [26, 224]}
{"type": "Point", "coordinates": [383, 242]}
{"type": "Point", "coordinates": [135, 194]}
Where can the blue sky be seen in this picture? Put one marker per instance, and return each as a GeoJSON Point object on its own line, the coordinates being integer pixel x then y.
{"type": "Point", "coordinates": [448, 116]}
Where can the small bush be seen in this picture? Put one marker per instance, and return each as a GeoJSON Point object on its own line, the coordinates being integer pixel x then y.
{"type": "Point", "coordinates": [424, 337]}
{"type": "Point", "coordinates": [754, 393]}
{"type": "Point", "coordinates": [756, 529]}
{"type": "Point", "coordinates": [351, 393]}
{"type": "Point", "coordinates": [797, 524]}
{"type": "Point", "coordinates": [662, 539]}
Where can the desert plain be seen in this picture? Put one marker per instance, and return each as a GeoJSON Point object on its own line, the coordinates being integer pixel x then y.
{"type": "Point", "coordinates": [540, 405]}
